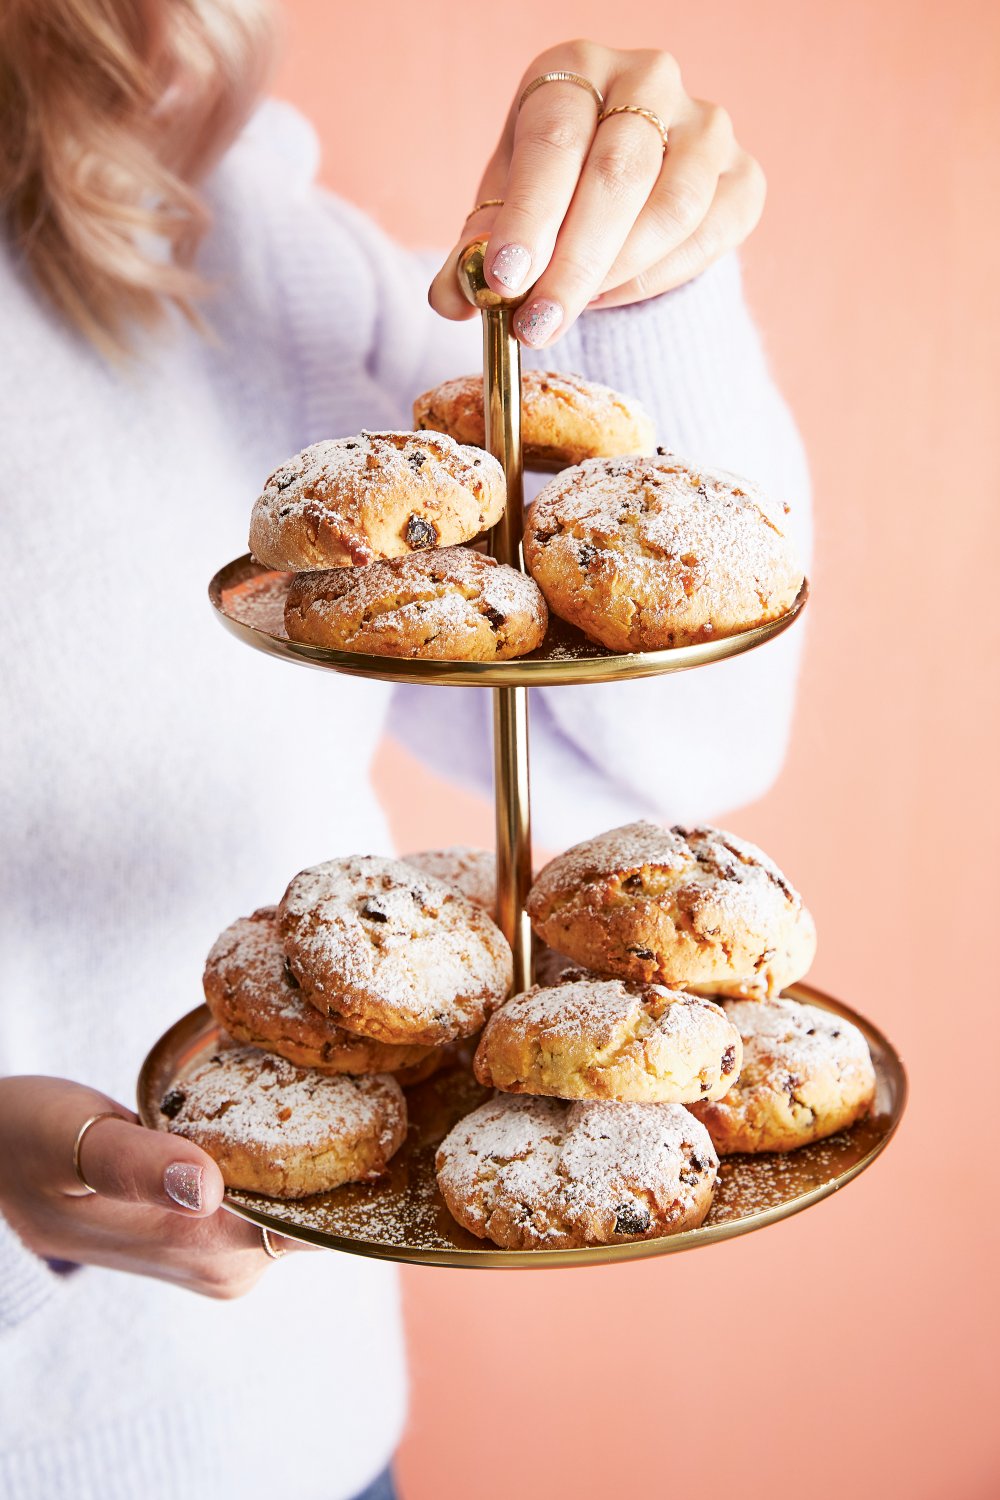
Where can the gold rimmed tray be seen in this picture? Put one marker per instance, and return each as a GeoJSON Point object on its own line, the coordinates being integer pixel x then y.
{"type": "Point", "coordinates": [249, 600]}
{"type": "Point", "coordinates": [402, 1217]}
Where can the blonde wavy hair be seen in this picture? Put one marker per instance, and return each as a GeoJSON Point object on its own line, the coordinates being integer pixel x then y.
{"type": "Point", "coordinates": [111, 112]}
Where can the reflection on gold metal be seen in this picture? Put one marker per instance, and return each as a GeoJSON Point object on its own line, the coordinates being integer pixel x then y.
{"type": "Point", "coordinates": [512, 793]}
{"type": "Point", "coordinates": [402, 1216]}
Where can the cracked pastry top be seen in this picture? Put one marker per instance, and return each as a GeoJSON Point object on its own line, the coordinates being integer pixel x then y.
{"type": "Point", "coordinates": [534, 1174]}
{"type": "Point", "coordinates": [286, 1131]}
{"type": "Point", "coordinates": [649, 553]}
{"type": "Point", "coordinates": [695, 908]}
{"type": "Point", "coordinates": [392, 953]}
{"type": "Point", "coordinates": [473, 871]}
{"type": "Point", "coordinates": [806, 1074]}
{"type": "Point", "coordinates": [349, 501]}
{"type": "Point", "coordinates": [564, 418]}
{"type": "Point", "coordinates": [253, 994]}
{"type": "Point", "coordinates": [608, 1039]}
{"type": "Point", "coordinates": [449, 603]}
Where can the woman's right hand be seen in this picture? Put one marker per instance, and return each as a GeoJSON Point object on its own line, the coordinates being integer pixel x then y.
{"type": "Point", "coordinates": [156, 1211]}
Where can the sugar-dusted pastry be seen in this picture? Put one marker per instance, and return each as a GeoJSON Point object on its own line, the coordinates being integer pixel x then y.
{"type": "Point", "coordinates": [610, 1039]}
{"type": "Point", "coordinates": [285, 1131]}
{"type": "Point", "coordinates": [449, 603]}
{"type": "Point", "coordinates": [348, 501]}
{"type": "Point", "coordinates": [564, 418]}
{"type": "Point", "coordinates": [473, 871]}
{"type": "Point", "coordinates": [806, 1074]}
{"type": "Point", "coordinates": [535, 1174]}
{"type": "Point", "coordinates": [392, 953]}
{"type": "Point", "coordinates": [253, 994]}
{"type": "Point", "coordinates": [647, 553]}
{"type": "Point", "coordinates": [695, 908]}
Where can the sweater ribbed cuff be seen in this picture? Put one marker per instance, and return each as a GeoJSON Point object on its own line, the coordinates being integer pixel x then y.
{"type": "Point", "coordinates": [26, 1281]}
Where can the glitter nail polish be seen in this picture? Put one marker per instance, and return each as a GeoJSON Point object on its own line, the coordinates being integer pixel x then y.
{"type": "Point", "coordinates": [510, 266]}
{"type": "Point", "coordinates": [538, 321]}
{"type": "Point", "coordinates": [182, 1182]}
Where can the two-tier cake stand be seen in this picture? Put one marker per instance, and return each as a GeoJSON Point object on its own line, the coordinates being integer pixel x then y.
{"type": "Point", "coordinates": [402, 1216]}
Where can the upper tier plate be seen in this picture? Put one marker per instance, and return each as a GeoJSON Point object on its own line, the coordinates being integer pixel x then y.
{"type": "Point", "coordinates": [249, 600]}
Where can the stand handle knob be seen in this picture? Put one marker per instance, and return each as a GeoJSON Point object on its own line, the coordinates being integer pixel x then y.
{"type": "Point", "coordinates": [472, 280]}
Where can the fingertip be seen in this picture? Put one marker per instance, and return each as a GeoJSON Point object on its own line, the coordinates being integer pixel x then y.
{"type": "Point", "coordinates": [195, 1187]}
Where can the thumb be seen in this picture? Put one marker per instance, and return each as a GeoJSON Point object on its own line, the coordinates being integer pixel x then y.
{"type": "Point", "coordinates": [121, 1159]}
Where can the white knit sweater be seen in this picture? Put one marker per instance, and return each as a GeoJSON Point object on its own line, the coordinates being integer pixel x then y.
{"type": "Point", "coordinates": [158, 780]}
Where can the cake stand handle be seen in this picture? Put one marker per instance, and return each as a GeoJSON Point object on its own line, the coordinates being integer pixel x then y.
{"type": "Point", "coordinates": [511, 788]}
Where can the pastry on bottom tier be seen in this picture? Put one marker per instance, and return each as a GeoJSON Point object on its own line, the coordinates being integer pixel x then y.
{"type": "Point", "coordinates": [255, 997]}
{"type": "Point", "coordinates": [564, 418]}
{"type": "Point", "coordinates": [348, 501]}
{"type": "Point", "coordinates": [534, 1174]}
{"type": "Point", "coordinates": [695, 908]}
{"type": "Point", "coordinates": [806, 1074]}
{"type": "Point", "coordinates": [647, 553]}
{"type": "Point", "coordinates": [607, 1039]}
{"type": "Point", "coordinates": [391, 952]}
{"type": "Point", "coordinates": [449, 604]}
{"type": "Point", "coordinates": [285, 1131]}
{"type": "Point", "coordinates": [473, 871]}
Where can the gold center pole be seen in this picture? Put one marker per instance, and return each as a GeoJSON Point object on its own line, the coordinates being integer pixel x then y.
{"type": "Point", "coordinates": [512, 793]}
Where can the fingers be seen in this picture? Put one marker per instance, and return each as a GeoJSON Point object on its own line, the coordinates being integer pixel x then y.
{"type": "Point", "coordinates": [123, 1161]}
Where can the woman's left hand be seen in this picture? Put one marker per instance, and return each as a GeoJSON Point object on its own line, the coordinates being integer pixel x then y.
{"type": "Point", "coordinates": [598, 214]}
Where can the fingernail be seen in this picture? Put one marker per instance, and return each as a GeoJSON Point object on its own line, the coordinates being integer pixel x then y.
{"type": "Point", "coordinates": [182, 1182]}
{"type": "Point", "coordinates": [510, 266]}
{"type": "Point", "coordinates": [538, 321]}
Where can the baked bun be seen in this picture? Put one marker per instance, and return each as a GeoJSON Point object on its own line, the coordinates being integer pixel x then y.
{"type": "Point", "coordinates": [449, 604]}
{"type": "Point", "coordinates": [286, 1131]}
{"type": "Point", "coordinates": [647, 553]}
{"type": "Point", "coordinates": [694, 908]}
{"type": "Point", "coordinates": [610, 1039]}
{"type": "Point", "coordinates": [255, 997]}
{"type": "Point", "coordinates": [564, 418]}
{"type": "Point", "coordinates": [538, 1174]}
{"type": "Point", "coordinates": [472, 871]}
{"type": "Point", "coordinates": [392, 953]}
{"type": "Point", "coordinates": [349, 501]}
{"type": "Point", "coordinates": [806, 1074]}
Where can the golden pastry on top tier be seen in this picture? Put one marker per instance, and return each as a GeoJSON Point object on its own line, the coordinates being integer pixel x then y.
{"type": "Point", "coordinates": [648, 553]}
{"type": "Point", "coordinates": [695, 908]}
{"type": "Point", "coordinates": [807, 1073]}
{"type": "Point", "coordinates": [447, 604]}
{"type": "Point", "coordinates": [564, 418]}
{"type": "Point", "coordinates": [352, 500]}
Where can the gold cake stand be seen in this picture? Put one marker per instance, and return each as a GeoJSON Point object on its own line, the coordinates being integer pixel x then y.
{"type": "Point", "coordinates": [402, 1216]}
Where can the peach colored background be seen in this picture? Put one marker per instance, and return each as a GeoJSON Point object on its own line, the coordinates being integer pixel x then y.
{"type": "Point", "coordinates": [849, 1350]}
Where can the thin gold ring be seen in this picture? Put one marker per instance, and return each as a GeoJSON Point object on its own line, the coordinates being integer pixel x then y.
{"type": "Point", "coordinates": [105, 1114]}
{"type": "Point", "coordinates": [561, 77]}
{"type": "Point", "coordinates": [486, 203]}
{"type": "Point", "coordinates": [269, 1249]}
{"type": "Point", "coordinates": [636, 109]}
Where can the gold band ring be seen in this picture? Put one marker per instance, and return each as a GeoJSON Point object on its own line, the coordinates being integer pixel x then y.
{"type": "Point", "coordinates": [560, 77]}
{"type": "Point", "coordinates": [269, 1249]}
{"type": "Point", "coordinates": [105, 1114]}
{"type": "Point", "coordinates": [486, 203]}
{"type": "Point", "coordinates": [636, 109]}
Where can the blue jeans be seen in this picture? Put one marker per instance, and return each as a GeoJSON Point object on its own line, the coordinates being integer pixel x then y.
{"type": "Point", "coordinates": [381, 1488]}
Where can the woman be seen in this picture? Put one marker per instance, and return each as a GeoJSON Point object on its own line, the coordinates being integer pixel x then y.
{"type": "Point", "coordinates": [158, 781]}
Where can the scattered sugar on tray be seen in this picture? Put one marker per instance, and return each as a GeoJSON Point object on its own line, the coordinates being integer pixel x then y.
{"type": "Point", "coordinates": [259, 603]}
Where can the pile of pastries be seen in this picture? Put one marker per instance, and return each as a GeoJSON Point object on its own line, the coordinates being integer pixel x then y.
{"type": "Point", "coordinates": [632, 545]}
{"type": "Point", "coordinates": [655, 1040]}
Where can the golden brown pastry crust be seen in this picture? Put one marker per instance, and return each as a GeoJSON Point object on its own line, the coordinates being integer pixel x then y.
{"type": "Point", "coordinates": [806, 1074]}
{"type": "Point", "coordinates": [349, 501]}
{"type": "Point", "coordinates": [648, 553]}
{"type": "Point", "coordinates": [693, 908]}
{"type": "Point", "coordinates": [448, 604]}
{"type": "Point", "coordinates": [564, 418]}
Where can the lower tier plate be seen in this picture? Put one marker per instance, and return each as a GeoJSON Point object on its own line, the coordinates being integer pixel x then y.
{"type": "Point", "coordinates": [403, 1217]}
{"type": "Point", "coordinates": [250, 602]}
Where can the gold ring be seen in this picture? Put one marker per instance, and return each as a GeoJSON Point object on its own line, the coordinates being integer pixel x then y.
{"type": "Point", "coordinates": [560, 77]}
{"type": "Point", "coordinates": [636, 109]}
{"type": "Point", "coordinates": [486, 203]}
{"type": "Point", "coordinates": [269, 1250]}
{"type": "Point", "coordinates": [106, 1114]}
